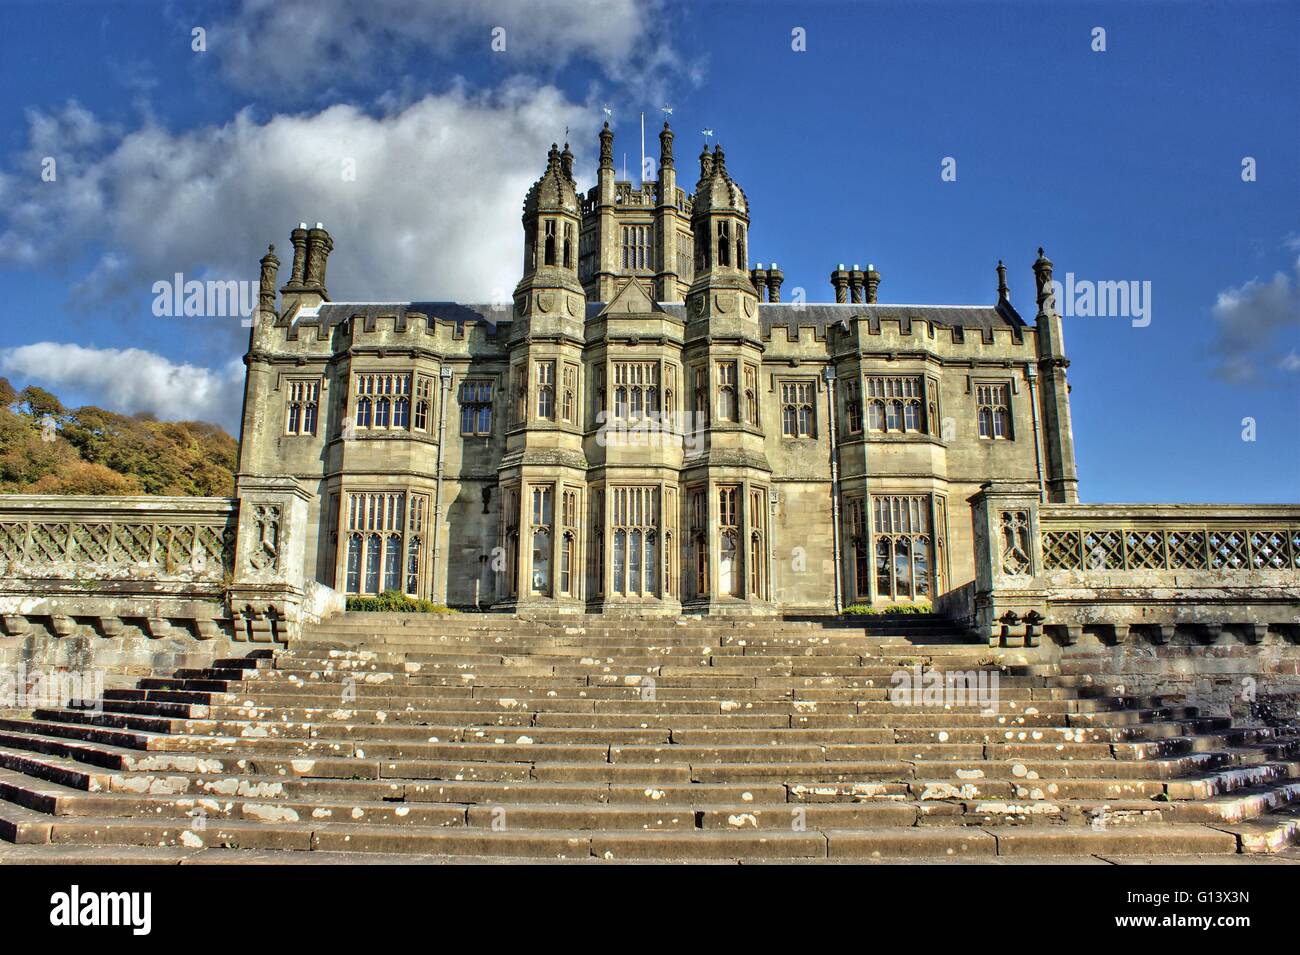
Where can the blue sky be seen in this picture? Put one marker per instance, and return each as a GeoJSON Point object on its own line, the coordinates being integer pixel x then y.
{"type": "Point", "coordinates": [1125, 164]}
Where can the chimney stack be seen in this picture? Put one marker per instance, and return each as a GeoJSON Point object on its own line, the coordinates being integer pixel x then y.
{"type": "Point", "coordinates": [319, 247]}
{"type": "Point", "coordinates": [774, 279]}
{"type": "Point", "coordinates": [873, 283]}
{"type": "Point", "coordinates": [855, 283]}
{"type": "Point", "coordinates": [840, 279]}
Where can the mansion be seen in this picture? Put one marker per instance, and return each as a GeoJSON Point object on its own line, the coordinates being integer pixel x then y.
{"type": "Point", "coordinates": [649, 427]}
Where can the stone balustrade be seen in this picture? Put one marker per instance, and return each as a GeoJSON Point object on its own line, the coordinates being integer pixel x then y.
{"type": "Point", "coordinates": [1119, 571]}
{"type": "Point", "coordinates": [154, 567]}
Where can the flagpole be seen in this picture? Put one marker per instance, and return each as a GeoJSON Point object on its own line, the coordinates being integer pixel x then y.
{"type": "Point", "coordinates": [642, 149]}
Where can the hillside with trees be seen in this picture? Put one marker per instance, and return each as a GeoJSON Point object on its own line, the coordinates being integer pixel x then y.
{"type": "Point", "coordinates": [46, 448]}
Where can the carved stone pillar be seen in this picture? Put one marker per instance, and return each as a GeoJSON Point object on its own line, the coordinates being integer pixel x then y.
{"type": "Point", "coordinates": [1010, 600]}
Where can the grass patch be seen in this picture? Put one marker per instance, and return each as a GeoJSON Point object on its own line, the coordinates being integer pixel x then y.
{"type": "Point", "coordinates": [866, 610]}
{"type": "Point", "coordinates": [390, 601]}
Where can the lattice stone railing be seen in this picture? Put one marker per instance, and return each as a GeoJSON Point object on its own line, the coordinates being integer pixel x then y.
{"type": "Point", "coordinates": [1116, 569]}
{"type": "Point", "coordinates": [1176, 548]}
{"type": "Point", "coordinates": [166, 538]}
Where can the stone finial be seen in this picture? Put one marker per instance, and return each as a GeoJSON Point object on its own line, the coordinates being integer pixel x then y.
{"type": "Point", "coordinates": [666, 148]}
{"type": "Point", "coordinates": [706, 163]}
{"type": "Point", "coordinates": [1043, 278]}
{"type": "Point", "coordinates": [1004, 293]}
{"type": "Point", "coordinates": [266, 290]}
{"type": "Point", "coordinates": [606, 148]}
{"type": "Point", "coordinates": [872, 278]}
{"type": "Point", "coordinates": [719, 159]}
{"type": "Point", "coordinates": [566, 163]}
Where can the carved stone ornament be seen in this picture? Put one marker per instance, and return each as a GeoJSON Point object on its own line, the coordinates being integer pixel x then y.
{"type": "Point", "coordinates": [726, 303]}
{"type": "Point", "coordinates": [546, 301]}
{"type": "Point", "coordinates": [749, 307]}
{"type": "Point", "coordinates": [571, 304]}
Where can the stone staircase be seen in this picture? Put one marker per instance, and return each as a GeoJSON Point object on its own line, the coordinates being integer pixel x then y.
{"type": "Point", "coordinates": [487, 736]}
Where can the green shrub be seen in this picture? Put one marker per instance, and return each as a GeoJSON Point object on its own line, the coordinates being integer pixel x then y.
{"type": "Point", "coordinates": [866, 610]}
{"type": "Point", "coordinates": [391, 601]}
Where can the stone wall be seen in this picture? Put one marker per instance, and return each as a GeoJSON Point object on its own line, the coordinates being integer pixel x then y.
{"type": "Point", "coordinates": [1257, 682]}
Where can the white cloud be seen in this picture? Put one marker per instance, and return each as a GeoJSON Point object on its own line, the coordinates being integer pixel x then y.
{"type": "Point", "coordinates": [297, 46]}
{"type": "Point", "coordinates": [433, 212]}
{"type": "Point", "coordinates": [1251, 319]}
{"type": "Point", "coordinates": [130, 380]}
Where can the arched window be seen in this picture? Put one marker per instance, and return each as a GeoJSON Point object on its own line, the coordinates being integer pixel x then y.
{"type": "Point", "coordinates": [912, 416]}
{"type": "Point", "coordinates": [401, 413]}
{"type": "Point", "coordinates": [566, 564]}
{"type": "Point", "coordinates": [651, 564]}
{"type": "Point", "coordinates": [354, 563]}
{"type": "Point", "coordinates": [548, 255]}
{"type": "Point", "coordinates": [670, 568]}
{"type": "Point", "coordinates": [634, 563]}
{"type": "Point", "coordinates": [756, 566]}
{"type": "Point", "coordinates": [363, 412]}
{"type": "Point", "coordinates": [381, 413]}
{"type": "Point", "coordinates": [620, 562]}
{"type": "Point", "coordinates": [413, 566]}
{"type": "Point", "coordinates": [728, 566]}
{"type": "Point", "coordinates": [373, 546]}
{"type": "Point", "coordinates": [701, 565]}
{"type": "Point", "coordinates": [893, 416]}
{"type": "Point", "coordinates": [541, 561]}
{"type": "Point", "coordinates": [393, 563]}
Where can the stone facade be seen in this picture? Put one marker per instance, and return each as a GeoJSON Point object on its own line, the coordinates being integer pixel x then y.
{"type": "Point", "coordinates": [648, 427]}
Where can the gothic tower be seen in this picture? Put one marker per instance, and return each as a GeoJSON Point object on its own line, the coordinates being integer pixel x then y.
{"type": "Point", "coordinates": [727, 483]}
{"type": "Point", "coordinates": [542, 474]}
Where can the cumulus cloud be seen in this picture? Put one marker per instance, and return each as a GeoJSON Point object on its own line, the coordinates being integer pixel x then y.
{"type": "Point", "coordinates": [300, 46]}
{"type": "Point", "coordinates": [131, 380]}
{"type": "Point", "coordinates": [1253, 322]}
{"type": "Point", "coordinates": [423, 201]}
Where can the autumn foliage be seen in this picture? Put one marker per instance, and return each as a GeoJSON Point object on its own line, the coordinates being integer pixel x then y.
{"type": "Point", "coordinates": [48, 449]}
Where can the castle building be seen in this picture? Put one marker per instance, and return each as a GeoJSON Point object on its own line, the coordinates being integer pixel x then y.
{"type": "Point", "coordinates": [649, 428]}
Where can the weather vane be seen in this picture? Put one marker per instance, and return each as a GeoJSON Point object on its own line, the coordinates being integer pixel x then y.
{"type": "Point", "coordinates": [707, 133]}
{"type": "Point", "coordinates": [666, 110]}
{"type": "Point", "coordinates": [607, 111]}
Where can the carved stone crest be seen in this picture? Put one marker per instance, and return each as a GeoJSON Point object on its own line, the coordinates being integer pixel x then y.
{"type": "Point", "coordinates": [546, 301]}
